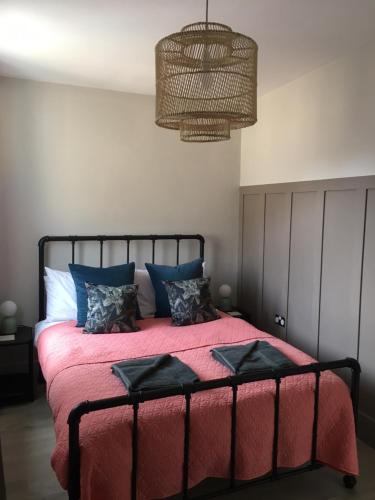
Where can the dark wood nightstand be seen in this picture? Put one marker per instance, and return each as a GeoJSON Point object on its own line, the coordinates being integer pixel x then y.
{"type": "Point", "coordinates": [17, 382]}
{"type": "Point", "coordinates": [236, 313]}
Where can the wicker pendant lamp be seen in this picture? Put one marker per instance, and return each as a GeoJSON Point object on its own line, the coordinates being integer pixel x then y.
{"type": "Point", "coordinates": [206, 81]}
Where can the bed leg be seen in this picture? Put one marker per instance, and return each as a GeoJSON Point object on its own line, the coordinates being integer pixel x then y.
{"type": "Point", "coordinates": [349, 481]}
{"type": "Point", "coordinates": [74, 419]}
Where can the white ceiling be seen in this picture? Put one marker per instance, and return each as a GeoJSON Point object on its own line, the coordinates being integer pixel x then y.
{"type": "Point", "coordinates": [110, 43]}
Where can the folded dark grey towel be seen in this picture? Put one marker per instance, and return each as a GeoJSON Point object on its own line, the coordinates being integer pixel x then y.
{"type": "Point", "coordinates": [156, 372]}
{"type": "Point", "coordinates": [258, 355]}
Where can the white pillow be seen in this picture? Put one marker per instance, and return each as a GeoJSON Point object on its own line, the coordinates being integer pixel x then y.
{"type": "Point", "coordinates": [146, 294]}
{"type": "Point", "coordinates": [205, 271]}
{"type": "Point", "coordinates": [61, 295]}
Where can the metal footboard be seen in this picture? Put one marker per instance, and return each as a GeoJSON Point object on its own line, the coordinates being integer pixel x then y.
{"type": "Point", "coordinates": [232, 382]}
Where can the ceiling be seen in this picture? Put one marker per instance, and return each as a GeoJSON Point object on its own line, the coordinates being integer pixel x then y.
{"type": "Point", "coordinates": [110, 43]}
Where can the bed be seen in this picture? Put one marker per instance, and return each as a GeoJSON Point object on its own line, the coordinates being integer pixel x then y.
{"type": "Point", "coordinates": [246, 428]}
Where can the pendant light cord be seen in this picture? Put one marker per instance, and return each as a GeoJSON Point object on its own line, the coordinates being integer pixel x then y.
{"type": "Point", "coordinates": [206, 14]}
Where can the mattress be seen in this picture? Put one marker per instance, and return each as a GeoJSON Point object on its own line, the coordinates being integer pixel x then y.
{"type": "Point", "coordinates": [42, 325]}
{"type": "Point", "coordinates": [77, 368]}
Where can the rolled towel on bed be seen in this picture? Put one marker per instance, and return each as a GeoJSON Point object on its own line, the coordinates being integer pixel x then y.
{"type": "Point", "coordinates": [156, 372]}
{"type": "Point", "coordinates": [258, 355]}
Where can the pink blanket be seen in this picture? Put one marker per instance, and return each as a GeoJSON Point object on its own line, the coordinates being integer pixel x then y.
{"type": "Point", "coordinates": [77, 368]}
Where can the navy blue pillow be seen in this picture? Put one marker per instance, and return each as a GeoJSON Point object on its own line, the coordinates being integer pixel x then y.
{"type": "Point", "coordinates": [159, 273]}
{"type": "Point", "coordinates": [110, 276]}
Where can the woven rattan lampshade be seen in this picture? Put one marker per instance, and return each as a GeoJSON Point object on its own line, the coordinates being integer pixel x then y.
{"type": "Point", "coordinates": [206, 82]}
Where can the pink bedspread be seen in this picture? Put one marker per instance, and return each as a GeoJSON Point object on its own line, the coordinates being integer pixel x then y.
{"type": "Point", "coordinates": [77, 368]}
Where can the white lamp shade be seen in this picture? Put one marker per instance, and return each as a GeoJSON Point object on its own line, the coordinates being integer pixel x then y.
{"type": "Point", "coordinates": [225, 291]}
{"type": "Point", "coordinates": [8, 308]}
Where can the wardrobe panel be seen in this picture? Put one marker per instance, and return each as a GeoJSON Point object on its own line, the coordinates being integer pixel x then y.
{"type": "Point", "coordinates": [304, 270]}
{"type": "Point", "coordinates": [252, 255]}
{"type": "Point", "coordinates": [276, 261]}
{"type": "Point", "coordinates": [367, 331]}
{"type": "Point", "coordinates": [330, 299]}
{"type": "Point", "coordinates": [341, 274]}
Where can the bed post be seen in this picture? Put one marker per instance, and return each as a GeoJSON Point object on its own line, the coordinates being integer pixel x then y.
{"type": "Point", "coordinates": [349, 480]}
{"type": "Point", "coordinates": [74, 419]}
{"type": "Point", "coordinates": [134, 472]}
{"type": "Point", "coordinates": [354, 389]}
{"type": "Point", "coordinates": [275, 446]}
{"type": "Point", "coordinates": [233, 438]}
{"type": "Point", "coordinates": [316, 417]}
{"type": "Point", "coordinates": [185, 465]}
{"type": "Point", "coordinates": [42, 307]}
{"type": "Point", "coordinates": [201, 245]}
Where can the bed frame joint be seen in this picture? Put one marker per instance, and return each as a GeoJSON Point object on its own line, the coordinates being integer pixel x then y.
{"type": "Point", "coordinates": [188, 390]}
{"type": "Point", "coordinates": [139, 397]}
{"type": "Point", "coordinates": [354, 364]}
{"type": "Point", "coordinates": [77, 413]}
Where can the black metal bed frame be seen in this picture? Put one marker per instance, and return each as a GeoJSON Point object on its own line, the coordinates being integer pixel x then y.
{"type": "Point", "coordinates": [127, 238]}
{"type": "Point", "coordinates": [188, 390]}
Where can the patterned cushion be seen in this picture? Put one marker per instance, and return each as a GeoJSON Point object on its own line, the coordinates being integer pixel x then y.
{"type": "Point", "coordinates": [111, 309]}
{"type": "Point", "coordinates": [110, 276]}
{"type": "Point", "coordinates": [190, 301]}
{"type": "Point", "coordinates": [160, 273]}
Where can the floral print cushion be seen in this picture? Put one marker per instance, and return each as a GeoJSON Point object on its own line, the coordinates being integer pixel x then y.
{"type": "Point", "coordinates": [111, 309]}
{"type": "Point", "coordinates": [190, 301]}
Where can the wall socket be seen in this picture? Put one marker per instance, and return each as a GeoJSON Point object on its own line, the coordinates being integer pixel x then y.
{"type": "Point", "coordinates": [280, 320]}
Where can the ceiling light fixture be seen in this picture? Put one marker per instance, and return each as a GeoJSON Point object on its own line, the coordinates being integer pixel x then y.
{"type": "Point", "coordinates": [206, 81]}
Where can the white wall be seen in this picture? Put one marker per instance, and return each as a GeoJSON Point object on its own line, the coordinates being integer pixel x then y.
{"type": "Point", "coordinates": [78, 161]}
{"type": "Point", "coordinates": [319, 126]}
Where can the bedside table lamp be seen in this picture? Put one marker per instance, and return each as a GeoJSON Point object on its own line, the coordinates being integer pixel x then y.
{"type": "Point", "coordinates": [8, 323]}
{"type": "Point", "coordinates": [225, 303]}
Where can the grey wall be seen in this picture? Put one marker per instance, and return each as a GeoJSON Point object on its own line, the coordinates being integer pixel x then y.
{"type": "Point", "coordinates": [85, 161]}
{"type": "Point", "coordinates": [307, 252]}
{"type": "Point", "coordinates": [318, 126]}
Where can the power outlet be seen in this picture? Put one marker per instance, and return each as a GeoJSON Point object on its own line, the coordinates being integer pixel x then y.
{"type": "Point", "coordinates": [280, 320]}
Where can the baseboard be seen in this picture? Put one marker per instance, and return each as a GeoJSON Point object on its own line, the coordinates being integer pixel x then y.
{"type": "Point", "coordinates": [366, 428]}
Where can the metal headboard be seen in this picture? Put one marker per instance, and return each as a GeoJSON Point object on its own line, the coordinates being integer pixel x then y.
{"type": "Point", "coordinates": [127, 238]}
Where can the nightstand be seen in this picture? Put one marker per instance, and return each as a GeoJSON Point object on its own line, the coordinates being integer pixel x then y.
{"type": "Point", "coordinates": [17, 366]}
{"type": "Point", "coordinates": [236, 313]}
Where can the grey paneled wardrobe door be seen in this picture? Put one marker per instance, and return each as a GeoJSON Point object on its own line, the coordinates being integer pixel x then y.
{"type": "Point", "coordinates": [276, 260]}
{"type": "Point", "coordinates": [341, 274]}
{"type": "Point", "coordinates": [367, 332]}
{"type": "Point", "coordinates": [252, 255]}
{"type": "Point", "coordinates": [304, 271]}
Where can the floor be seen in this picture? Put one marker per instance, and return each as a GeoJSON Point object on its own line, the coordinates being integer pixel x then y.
{"type": "Point", "coordinates": [27, 439]}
